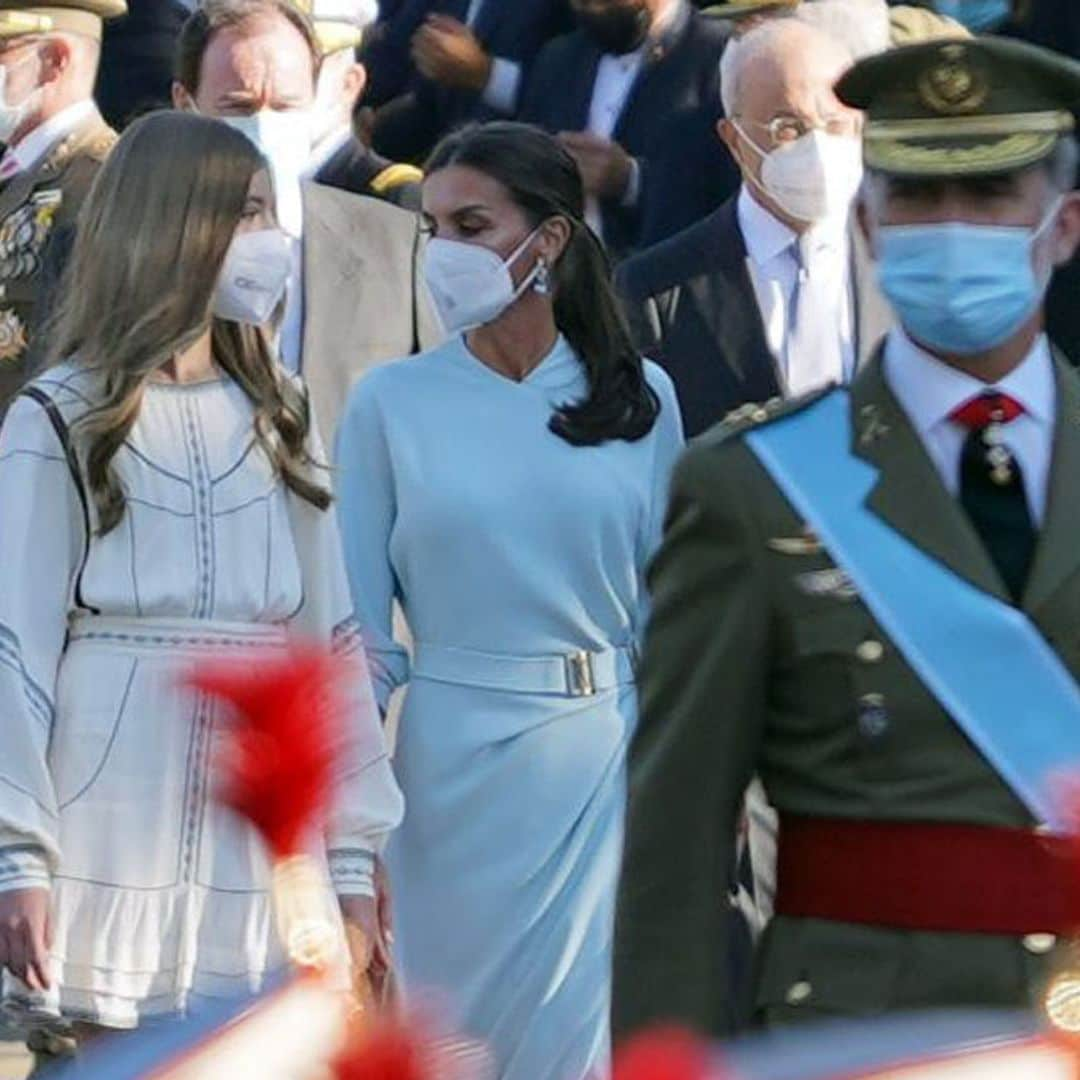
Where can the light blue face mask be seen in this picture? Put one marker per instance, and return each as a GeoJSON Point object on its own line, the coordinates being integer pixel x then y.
{"type": "Point", "coordinates": [979, 16]}
{"type": "Point", "coordinates": [961, 289]}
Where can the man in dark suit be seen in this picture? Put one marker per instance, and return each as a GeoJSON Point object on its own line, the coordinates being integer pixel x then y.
{"type": "Point", "coordinates": [772, 293]}
{"type": "Point", "coordinates": [634, 93]}
{"type": "Point", "coordinates": [338, 158]}
{"type": "Point", "coordinates": [436, 64]}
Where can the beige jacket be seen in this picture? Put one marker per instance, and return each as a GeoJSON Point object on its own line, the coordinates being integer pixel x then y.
{"type": "Point", "coordinates": [364, 302]}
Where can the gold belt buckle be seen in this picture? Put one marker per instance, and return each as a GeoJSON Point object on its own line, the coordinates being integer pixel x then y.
{"type": "Point", "coordinates": [579, 674]}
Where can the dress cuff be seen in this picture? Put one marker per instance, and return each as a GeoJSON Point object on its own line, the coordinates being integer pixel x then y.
{"type": "Point", "coordinates": [501, 92]}
{"type": "Point", "coordinates": [23, 866]}
{"type": "Point", "coordinates": [352, 871]}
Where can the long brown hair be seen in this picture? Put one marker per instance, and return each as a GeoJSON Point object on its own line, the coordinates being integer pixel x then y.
{"type": "Point", "coordinates": [151, 241]}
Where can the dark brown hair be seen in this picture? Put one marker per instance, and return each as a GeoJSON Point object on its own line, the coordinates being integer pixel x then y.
{"type": "Point", "coordinates": [213, 16]}
{"type": "Point", "coordinates": [151, 240]}
{"type": "Point", "coordinates": [543, 181]}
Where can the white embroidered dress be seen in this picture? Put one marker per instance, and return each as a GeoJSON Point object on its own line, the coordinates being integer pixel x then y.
{"type": "Point", "coordinates": [159, 895]}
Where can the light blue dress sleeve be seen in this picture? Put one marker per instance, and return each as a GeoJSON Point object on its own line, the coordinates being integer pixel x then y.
{"type": "Point", "coordinates": [367, 507]}
{"type": "Point", "coordinates": [668, 444]}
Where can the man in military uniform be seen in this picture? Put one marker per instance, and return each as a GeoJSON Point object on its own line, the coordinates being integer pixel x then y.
{"type": "Point", "coordinates": [55, 139]}
{"type": "Point", "coordinates": [818, 646]}
{"type": "Point", "coordinates": [339, 159]}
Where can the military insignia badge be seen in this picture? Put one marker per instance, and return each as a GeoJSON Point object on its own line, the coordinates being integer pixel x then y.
{"type": "Point", "coordinates": [952, 86]}
{"type": "Point", "coordinates": [833, 583]}
{"type": "Point", "coordinates": [804, 544]}
{"type": "Point", "coordinates": [12, 336]}
{"type": "Point", "coordinates": [24, 233]}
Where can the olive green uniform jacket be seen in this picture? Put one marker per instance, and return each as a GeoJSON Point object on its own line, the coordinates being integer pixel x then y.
{"type": "Point", "coordinates": [33, 205]}
{"type": "Point", "coordinates": [756, 661]}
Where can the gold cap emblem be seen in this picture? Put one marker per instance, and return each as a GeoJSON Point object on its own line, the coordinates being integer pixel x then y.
{"type": "Point", "coordinates": [952, 86]}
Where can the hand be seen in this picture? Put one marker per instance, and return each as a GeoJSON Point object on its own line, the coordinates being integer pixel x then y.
{"type": "Point", "coordinates": [604, 165]}
{"type": "Point", "coordinates": [447, 52]}
{"type": "Point", "coordinates": [26, 935]}
{"type": "Point", "coordinates": [367, 929]}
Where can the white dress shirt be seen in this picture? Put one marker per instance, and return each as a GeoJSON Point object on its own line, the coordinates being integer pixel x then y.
{"type": "Point", "coordinates": [27, 152]}
{"type": "Point", "coordinates": [501, 92]}
{"type": "Point", "coordinates": [615, 79]}
{"type": "Point", "coordinates": [929, 390]}
{"type": "Point", "coordinates": [326, 148]}
{"type": "Point", "coordinates": [774, 262]}
{"type": "Point", "coordinates": [290, 336]}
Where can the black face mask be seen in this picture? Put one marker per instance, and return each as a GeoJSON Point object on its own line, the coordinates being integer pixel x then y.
{"type": "Point", "coordinates": [619, 31]}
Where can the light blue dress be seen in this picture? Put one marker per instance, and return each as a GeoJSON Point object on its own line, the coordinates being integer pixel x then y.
{"type": "Point", "coordinates": [503, 543]}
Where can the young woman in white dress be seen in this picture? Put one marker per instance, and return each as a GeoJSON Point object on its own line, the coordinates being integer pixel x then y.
{"type": "Point", "coordinates": [161, 502]}
{"type": "Point", "coordinates": [508, 489]}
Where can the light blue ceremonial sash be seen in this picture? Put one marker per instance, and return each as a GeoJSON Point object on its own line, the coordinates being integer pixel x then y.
{"type": "Point", "coordinates": [984, 661]}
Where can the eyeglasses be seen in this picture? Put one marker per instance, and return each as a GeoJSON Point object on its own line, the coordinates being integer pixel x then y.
{"type": "Point", "coordinates": [784, 129]}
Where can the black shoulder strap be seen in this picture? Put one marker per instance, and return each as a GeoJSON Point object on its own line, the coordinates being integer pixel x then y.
{"type": "Point", "coordinates": [64, 436]}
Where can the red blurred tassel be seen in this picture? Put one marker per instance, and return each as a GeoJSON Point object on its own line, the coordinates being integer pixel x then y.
{"type": "Point", "coordinates": [387, 1053]}
{"type": "Point", "coordinates": [665, 1054]}
{"type": "Point", "coordinates": [278, 769]}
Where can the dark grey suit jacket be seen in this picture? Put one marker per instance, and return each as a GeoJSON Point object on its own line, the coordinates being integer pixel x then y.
{"type": "Point", "coordinates": [693, 309]}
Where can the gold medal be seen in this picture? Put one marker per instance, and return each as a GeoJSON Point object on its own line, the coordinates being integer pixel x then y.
{"type": "Point", "coordinates": [12, 336]}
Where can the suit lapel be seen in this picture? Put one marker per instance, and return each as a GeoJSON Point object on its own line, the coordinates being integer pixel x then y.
{"type": "Point", "coordinates": [333, 270]}
{"type": "Point", "coordinates": [725, 298]}
{"type": "Point", "coordinates": [1057, 556]}
{"type": "Point", "coordinates": [658, 51]}
{"type": "Point", "coordinates": [909, 494]}
{"type": "Point", "coordinates": [873, 316]}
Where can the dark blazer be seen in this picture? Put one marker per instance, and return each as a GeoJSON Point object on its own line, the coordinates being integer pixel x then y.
{"type": "Point", "coordinates": [414, 112]}
{"type": "Point", "coordinates": [693, 309]}
{"type": "Point", "coordinates": [668, 124]}
{"type": "Point", "coordinates": [137, 53]}
{"type": "Point", "coordinates": [357, 168]}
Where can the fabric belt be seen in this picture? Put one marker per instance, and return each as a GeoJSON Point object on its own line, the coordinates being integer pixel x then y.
{"type": "Point", "coordinates": [180, 636]}
{"type": "Point", "coordinates": [574, 674]}
{"type": "Point", "coordinates": [933, 877]}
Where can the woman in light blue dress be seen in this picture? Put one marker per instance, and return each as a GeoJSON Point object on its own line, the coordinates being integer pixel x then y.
{"type": "Point", "coordinates": [508, 489]}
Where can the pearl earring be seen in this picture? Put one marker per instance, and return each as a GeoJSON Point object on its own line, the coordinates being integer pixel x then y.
{"type": "Point", "coordinates": [542, 281]}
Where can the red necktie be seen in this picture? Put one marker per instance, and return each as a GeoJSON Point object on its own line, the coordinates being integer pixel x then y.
{"type": "Point", "coordinates": [986, 409]}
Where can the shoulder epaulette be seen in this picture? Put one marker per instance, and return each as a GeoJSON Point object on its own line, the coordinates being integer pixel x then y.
{"type": "Point", "coordinates": [754, 414]}
{"type": "Point", "coordinates": [393, 176]}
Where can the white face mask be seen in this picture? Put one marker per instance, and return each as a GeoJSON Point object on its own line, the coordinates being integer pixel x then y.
{"type": "Point", "coordinates": [253, 277]}
{"type": "Point", "coordinates": [814, 178]}
{"type": "Point", "coordinates": [470, 284]}
{"type": "Point", "coordinates": [284, 139]}
{"type": "Point", "coordinates": [12, 117]}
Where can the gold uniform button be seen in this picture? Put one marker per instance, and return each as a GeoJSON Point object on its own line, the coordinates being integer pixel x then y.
{"type": "Point", "coordinates": [870, 652]}
{"type": "Point", "coordinates": [799, 993]}
{"type": "Point", "coordinates": [1039, 944]}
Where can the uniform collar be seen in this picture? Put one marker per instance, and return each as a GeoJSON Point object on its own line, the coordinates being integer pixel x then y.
{"type": "Point", "coordinates": [327, 147]}
{"type": "Point", "coordinates": [29, 150]}
{"type": "Point", "coordinates": [929, 389]}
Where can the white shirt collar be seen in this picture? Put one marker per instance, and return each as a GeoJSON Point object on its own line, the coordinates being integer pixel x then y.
{"type": "Point", "coordinates": [327, 147]}
{"type": "Point", "coordinates": [29, 150]}
{"type": "Point", "coordinates": [767, 237]}
{"type": "Point", "coordinates": [929, 389]}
